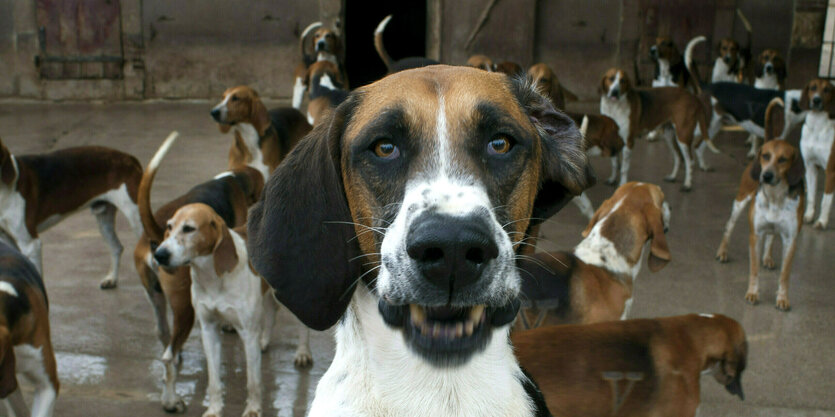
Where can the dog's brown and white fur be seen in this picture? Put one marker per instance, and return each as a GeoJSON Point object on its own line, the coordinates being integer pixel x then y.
{"type": "Point", "coordinates": [482, 62]}
{"type": "Point", "coordinates": [25, 342]}
{"type": "Point", "coordinates": [730, 64]}
{"type": "Point", "coordinates": [38, 191]}
{"type": "Point", "coordinates": [638, 111]}
{"type": "Point", "coordinates": [401, 168]}
{"type": "Point", "coordinates": [817, 145]}
{"type": "Point", "coordinates": [224, 290]}
{"type": "Point", "coordinates": [262, 138]}
{"type": "Point", "coordinates": [770, 70]}
{"type": "Point", "coordinates": [777, 210]}
{"type": "Point", "coordinates": [633, 368]}
{"type": "Point", "coordinates": [599, 274]}
{"type": "Point", "coordinates": [327, 46]}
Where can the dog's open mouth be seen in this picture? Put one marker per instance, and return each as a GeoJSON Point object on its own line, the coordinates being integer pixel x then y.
{"type": "Point", "coordinates": [447, 335]}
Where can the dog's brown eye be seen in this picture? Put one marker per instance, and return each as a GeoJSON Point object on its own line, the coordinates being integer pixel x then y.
{"type": "Point", "coordinates": [782, 159]}
{"type": "Point", "coordinates": [499, 145]}
{"type": "Point", "coordinates": [813, 88]}
{"type": "Point", "coordinates": [383, 148]}
{"type": "Point", "coordinates": [612, 78]}
{"type": "Point", "coordinates": [766, 157]}
{"type": "Point", "coordinates": [188, 229]}
{"type": "Point", "coordinates": [168, 227]}
{"type": "Point", "coordinates": [234, 98]}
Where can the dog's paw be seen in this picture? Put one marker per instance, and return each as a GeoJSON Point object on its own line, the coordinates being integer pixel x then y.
{"type": "Point", "coordinates": [303, 359]}
{"type": "Point", "coordinates": [611, 181]}
{"type": "Point", "coordinates": [783, 303]}
{"type": "Point", "coordinates": [722, 255]}
{"type": "Point", "coordinates": [686, 188]}
{"type": "Point", "coordinates": [706, 168]}
{"type": "Point", "coordinates": [768, 262]}
{"type": "Point", "coordinates": [752, 298]}
{"type": "Point", "coordinates": [107, 283]}
{"type": "Point", "coordinates": [670, 179]}
{"type": "Point", "coordinates": [820, 225]}
{"type": "Point", "coordinates": [175, 406]}
{"type": "Point", "coordinates": [808, 217]}
{"type": "Point", "coordinates": [251, 413]}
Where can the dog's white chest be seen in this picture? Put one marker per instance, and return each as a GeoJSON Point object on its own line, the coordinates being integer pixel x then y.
{"type": "Point", "coordinates": [619, 111]}
{"type": "Point", "coordinates": [721, 72]}
{"type": "Point", "coordinates": [664, 77]}
{"type": "Point", "coordinates": [775, 211]}
{"type": "Point", "coordinates": [13, 214]}
{"type": "Point", "coordinates": [251, 138]}
{"type": "Point", "coordinates": [767, 82]}
{"type": "Point", "coordinates": [817, 138]}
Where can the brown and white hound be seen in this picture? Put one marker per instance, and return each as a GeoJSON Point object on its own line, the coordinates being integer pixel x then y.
{"type": "Point", "coordinates": [640, 110]}
{"type": "Point", "coordinates": [510, 68]}
{"type": "Point", "coordinates": [229, 194]}
{"type": "Point", "coordinates": [401, 64]}
{"type": "Point", "coordinates": [770, 70]}
{"type": "Point", "coordinates": [817, 145]}
{"type": "Point", "coordinates": [262, 138]}
{"type": "Point", "coordinates": [38, 191]}
{"type": "Point", "coordinates": [670, 69]}
{"type": "Point", "coordinates": [326, 46]}
{"type": "Point", "coordinates": [547, 80]}
{"type": "Point", "coordinates": [594, 282]}
{"type": "Point", "coordinates": [427, 182]}
{"type": "Point", "coordinates": [482, 62]}
{"type": "Point", "coordinates": [326, 91]}
{"type": "Point", "coordinates": [633, 368]}
{"type": "Point", "coordinates": [25, 342]}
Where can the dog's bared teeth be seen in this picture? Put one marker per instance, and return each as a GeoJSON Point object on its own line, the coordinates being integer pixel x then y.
{"type": "Point", "coordinates": [476, 313]}
{"type": "Point", "coordinates": [418, 315]}
{"type": "Point", "coordinates": [469, 326]}
{"type": "Point", "coordinates": [459, 329]}
{"type": "Point", "coordinates": [424, 329]}
{"type": "Point", "coordinates": [436, 330]}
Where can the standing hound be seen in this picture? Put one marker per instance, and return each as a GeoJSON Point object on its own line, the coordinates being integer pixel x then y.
{"type": "Point", "coordinates": [777, 210]}
{"type": "Point", "coordinates": [637, 111]}
{"type": "Point", "coordinates": [670, 70]}
{"type": "Point", "coordinates": [769, 70]}
{"type": "Point", "coordinates": [633, 368]}
{"type": "Point", "coordinates": [25, 343]}
{"type": "Point", "coordinates": [326, 92]}
{"type": "Point", "coordinates": [229, 195]}
{"type": "Point", "coordinates": [262, 139]}
{"type": "Point", "coordinates": [817, 145]}
{"type": "Point", "coordinates": [38, 191]}
{"type": "Point", "coordinates": [400, 64]}
{"type": "Point", "coordinates": [427, 182]}
{"type": "Point", "coordinates": [224, 289]}
{"type": "Point", "coordinates": [594, 283]}
{"type": "Point", "coordinates": [327, 47]}
{"type": "Point", "coordinates": [550, 85]}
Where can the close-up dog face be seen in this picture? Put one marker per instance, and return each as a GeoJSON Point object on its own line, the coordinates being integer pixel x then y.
{"type": "Point", "coordinates": [325, 40]}
{"type": "Point", "coordinates": [776, 162]}
{"type": "Point", "coordinates": [614, 84]}
{"type": "Point", "coordinates": [240, 104]}
{"type": "Point", "coordinates": [817, 95]}
{"type": "Point", "coordinates": [440, 169]}
{"type": "Point", "coordinates": [729, 50]}
{"type": "Point", "coordinates": [770, 63]}
{"type": "Point", "coordinates": [193, 231]}
{"type": "Point", "coordinates": [664, 48]}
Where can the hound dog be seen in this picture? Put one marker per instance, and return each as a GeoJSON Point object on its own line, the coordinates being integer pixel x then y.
{"type": "Point", "coordinates": [637, 111]}
{"type": "Point", "coordinates": [669, 68]}
{"type": "Point", "coordinates": [594, 283]}
{"type": "Point", "coordinates": [770, 70]}
{"type": "Point", "coordinates": [817, 145]}
{"type": "Point", "coordinates": [427, 182]}
{"type": "Point", "coordinates": [224, 289]}
{"type": "Point", "coordinates": [777, 210]}
{"type": "Point", "coordinates": [262, 139]}
{"type": "Point", "coordinates": [510, 68]}
{"type": "Point", "coordinates": [730, 64]}
{"type": "Point", "coordinates": [229, 195]}
{"type": "Point", "coordinates": [327, 47]}
{"type": "Point", "coordinates": [774, 117]}
{"type": "Point", "coordinates": [646, 367]}
{"type": "Point", "coordinates": [400, 64]}
{"type": "Point", "coordinates": [325, 91]}
{"type": "Point", "coordinates": [482, 62]}
{"type": "Point", "coordinates": [38, 191]}
{"type": "Point", "coordinates": [25, 343]}
{"type": "Point", "coordinates": [546, 78]}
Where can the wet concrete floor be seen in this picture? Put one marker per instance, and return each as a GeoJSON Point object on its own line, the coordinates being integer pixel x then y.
{"type": "Point", "coordinates": [105, 340]}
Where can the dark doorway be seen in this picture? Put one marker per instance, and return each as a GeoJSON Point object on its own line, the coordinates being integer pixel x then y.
{"type": "Point", "coordinates": [405, 36]}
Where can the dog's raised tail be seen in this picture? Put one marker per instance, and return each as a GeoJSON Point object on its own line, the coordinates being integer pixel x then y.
{"type": "Point", "coordinates": [691, 67]}
{"type": "Point", "coordinates": [378, 42]}
{"type": "Point", "coordinates": [149, 223]}
{"type": "Point", "coordinates": [775, 119]}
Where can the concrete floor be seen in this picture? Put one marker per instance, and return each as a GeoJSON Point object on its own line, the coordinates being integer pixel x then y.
{"type": "Point", "coordinates": [105, 340]}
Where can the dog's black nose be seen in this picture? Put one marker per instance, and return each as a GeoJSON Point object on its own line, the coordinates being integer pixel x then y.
{"type": "Point", "coordinates": [451, 252]}
{"type": "Point", "coordinates": [615, 93]}
{"type": "Point", "coordinates": [769, 68]}
{"type": "Point", "coordinates": [727, 59]}
{"type": "Point", "coordinates": [653, 51]}
{"type": "Point", "coordinates": [215, 114]}
{"type": "Point", "coordinates": [816, 101]}
{"type": "Point", "coordinates": [162, 256]}
{"type": "Point", "coordinates": [768, 177]}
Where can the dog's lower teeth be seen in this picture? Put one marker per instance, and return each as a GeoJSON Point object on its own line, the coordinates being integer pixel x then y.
{"type": "Point", "coordinates": [459, 330]}
{"type": "Point", "coordinates": [418, 315]}
{"type": "Point", "coordinates": [469, 326]}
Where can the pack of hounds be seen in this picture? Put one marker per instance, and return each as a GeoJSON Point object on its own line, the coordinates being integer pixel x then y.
{"type": "Point", "coordinates": [404, 214]}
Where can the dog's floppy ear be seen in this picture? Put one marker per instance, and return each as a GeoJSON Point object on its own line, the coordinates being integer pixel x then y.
{"type": "Point", "coordinates": [756, 169]}
{"type": "Point", "coordinates": [258, 115]}
{"type": "Point", "coordinates": [565, 168]}
{"type": "Point", "coordinates": [794, 176]}
{"type": "Point", "coordinates": [659, 253]}
{"type": "Point", "coordinates": [779, 68]}
{"type": "Point", "coordinates": [7, 168]}
{"type": "Point", "coordinates": [225, 255]}
{"type": "Point", "coordinates": [804, 98]}
{"type": "Point", "coordinates": [8, 379]}
{"type": "Point", "coordinates": [300, 237]}
{"type": "Point", "coordinates": [728, 370]}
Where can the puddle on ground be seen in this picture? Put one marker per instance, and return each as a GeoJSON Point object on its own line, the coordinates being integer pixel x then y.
{"type": "Point", "coordinates": [80, 369]}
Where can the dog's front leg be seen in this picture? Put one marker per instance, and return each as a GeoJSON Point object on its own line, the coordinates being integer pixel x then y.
{"type": "Point", "coordinates": [826, 205]}
{"type": "Point", "coordinates": [789, 245]}
{"type": "Point", "coordinates": [738, 207]}
{"type": "Point", "coordinates": [211, 346]}
{"type": "Point", "coordinates": [252, 350]}
{"type": "Point", "coordinates": [15, 405]}
{"type": "Point", "coordinates": [811, 187]}
{"type": "Point", "coordinates": [755, 241]}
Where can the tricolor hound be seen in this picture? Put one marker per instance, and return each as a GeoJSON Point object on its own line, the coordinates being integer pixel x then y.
{"type": "Point", "coordinates": [425, 185]}
{"type": "Point", "coordinates": [817, 145]}
{"type": "Point", "coordinates": [594, 283]}
{"type": "Point", "coordinates": [770, 70]}
{"type": "Point", "coordinates": [326, 47]}
{"type": "Point", "coordinates": [400, 64]}
{"type": "Point", "coordinates": [38, 191]}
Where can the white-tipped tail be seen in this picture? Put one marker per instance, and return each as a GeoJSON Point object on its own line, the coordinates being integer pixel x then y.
{"type": "Point", "coordinates": [688, 51]}
{"type": "Point", "coordinates": [584, 126]}
{"type": "Point", "coordinates": [162, 151]}
{"type": "Point", "coordinates": [382, 26]}
{"type": "Point", "coordinates": [311, 27]}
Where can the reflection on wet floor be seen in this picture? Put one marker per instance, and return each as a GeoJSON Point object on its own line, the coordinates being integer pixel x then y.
{"type": "Point", "coordinates": [80, 369]}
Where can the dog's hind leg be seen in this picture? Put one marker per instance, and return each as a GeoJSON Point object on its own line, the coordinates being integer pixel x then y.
{"type": "Point", "coordinates": [584, 204]}
{"type": "Point", "coordinates": [613, 178]}
{"type": "Point", "coordinates": [700, 157]}
{"type": "Point", "coordinates": [669, 139]}
{"type": "Point", "coordinates": [106, 217]}
{"type": "Point", "coordinates": [811, 188]}
{"type": "Point", "coordinates": [269, 310]}
{"type": "Point", "coordinates": [688, 164]}
{"type": "Point", "coordinates": [828, 191]}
